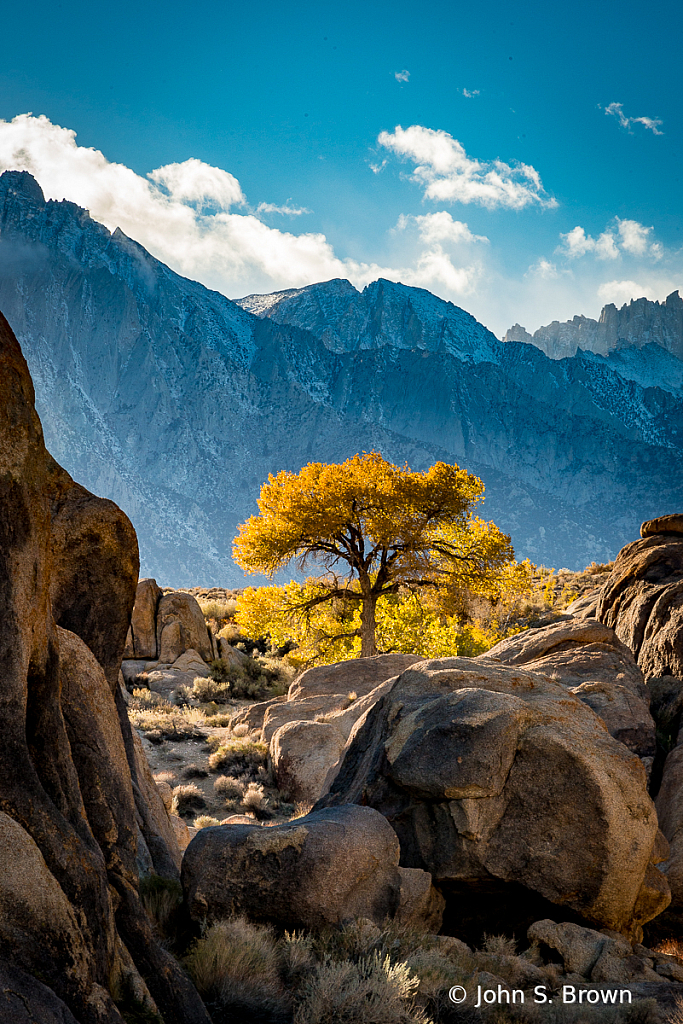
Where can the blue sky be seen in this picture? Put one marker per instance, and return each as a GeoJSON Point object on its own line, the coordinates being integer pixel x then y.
{"type": "Point", "coordinates": [297, 107]}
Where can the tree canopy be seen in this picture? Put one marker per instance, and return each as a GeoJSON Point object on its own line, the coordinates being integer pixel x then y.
{"type": "Point", "coordinates": [372, 529]}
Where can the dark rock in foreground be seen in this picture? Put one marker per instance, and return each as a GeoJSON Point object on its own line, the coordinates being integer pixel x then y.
{"type": "Point", "coordinates": [76, 798]}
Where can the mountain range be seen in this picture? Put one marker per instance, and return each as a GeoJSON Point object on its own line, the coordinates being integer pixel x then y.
{"type": "Point", "coordinates": [637, 324]}
{"type": "Point", "coordinates": [177, 402]}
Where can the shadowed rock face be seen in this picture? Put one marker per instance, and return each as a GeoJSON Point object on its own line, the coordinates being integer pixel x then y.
{"type": "Point", "coordinates": [510, 791]}
{"type": "Point", "coordinates": [70, 909]}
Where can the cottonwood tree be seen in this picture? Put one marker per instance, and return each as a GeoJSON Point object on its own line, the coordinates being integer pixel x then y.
{"type": "Point", "coordinates": [371, 528]}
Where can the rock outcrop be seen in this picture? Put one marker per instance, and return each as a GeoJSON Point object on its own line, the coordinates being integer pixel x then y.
{"type": "Point", "coordinates": [590, 660]}
{"type": "Point", "coordinates": [358, 676]}
{"type": "Point", "coordinates": [511, 793]}
{"type": "Point", "coordinates": [638, 323]}
{"type": "Point", "coordinates": [321, 869]}
{"type": "Point", "coordinates": [643, 598]}
{"type": "Point", "coordinates": [72, 800]}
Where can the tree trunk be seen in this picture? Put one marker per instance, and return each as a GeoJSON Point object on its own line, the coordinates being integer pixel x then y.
{"type": "Point", "coordinates": [367, 622]}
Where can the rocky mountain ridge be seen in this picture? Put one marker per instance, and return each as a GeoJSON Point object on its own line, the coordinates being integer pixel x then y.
{"type": "Point", "coordinates": [177, 403]}
{"type": "Point", "coordinates": [638, 324]}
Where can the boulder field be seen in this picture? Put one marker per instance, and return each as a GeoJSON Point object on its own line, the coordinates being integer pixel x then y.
{"type": "Point", "coordinates": [77, 800]}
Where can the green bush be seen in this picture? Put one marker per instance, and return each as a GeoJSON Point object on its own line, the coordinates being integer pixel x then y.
{"type": "Point", "coordinates": [244, 755]}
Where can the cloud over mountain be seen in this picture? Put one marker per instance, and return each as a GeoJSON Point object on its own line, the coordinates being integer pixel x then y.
{"type": "Point", "coordinates": [447, 173]}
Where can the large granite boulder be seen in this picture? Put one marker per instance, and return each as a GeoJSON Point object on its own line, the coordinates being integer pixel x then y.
{"type": "Point", "coordinates": [511, 793]}
{"type": "Point", "coordinates": [142, 640]}
{"type": "Point", "coordinates": [589, 659]}
{"type": "Point", "coordinates": [358, 675]}
{"type": "Point", "coordinates": [180, 627]}
{"type": "Point", "coordinates": [643, 598]}
{"type": "Point", "coordinates": [71, 908]}
{"type": "Point", "coordinates": [306, 750]}
{"type": "Point", "coordinates": [317, 870]}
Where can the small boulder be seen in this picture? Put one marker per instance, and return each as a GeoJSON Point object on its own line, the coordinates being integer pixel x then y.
{"type": "Point", "coordinates": [322, 869]}
{"type": "Point", "coordinates": [181, 627]}
{"type": "Point", "coordinates": [191, 661]}
{"type": "Point", "coordinates": [252, 716]}
{"type": "Point", "coordinates": [301, 710]}
{"type": "Point", "coordinates": [302, 754]}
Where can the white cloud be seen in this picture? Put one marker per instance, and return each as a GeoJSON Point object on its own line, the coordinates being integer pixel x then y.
{"type": "Point", "coordinates": [182, 213]}
{"type": "Point", "coordinates": [468, 94]}
{"type": "Point", "coordinates": [635, 239]}
{"type": "Point", "coordinates": [286, 210]}
{"type": "Point", "coordinates": [651, 123]}
{"type": "Point", "coordinates": [376, 168]}
{"type": "Point", "coordinates": [629, 236]}
{"type": "Point", "coordinates": [544, 269]}
{"type": "Point", "coordinates": [578, 243]}
{"type": "Point", "coordinates": [196, 183]}
{"type": "Point", "coordinates": [620, 292]}
{"type": "Point", "coordinates": [440, 227]}
{"type": "Point", "coordinates": [402, 76]}
{"type": "Point", "coordinates": [447, 174]}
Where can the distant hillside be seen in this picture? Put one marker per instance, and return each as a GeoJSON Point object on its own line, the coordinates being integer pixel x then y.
{"type": "Point", "coordinates": [177, 403]}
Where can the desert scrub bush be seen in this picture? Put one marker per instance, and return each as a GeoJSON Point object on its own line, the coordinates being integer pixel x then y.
{"type": "Point", "coordinates": [186, 799]}
{"type": "Point", "coordinates": [205, 821]}
{"type": "Point", "coordinates": [218, 610]}
{"type": "Point", "coordinates": [256, 678]}
{"type": "Point", "coordinates": [229, 787]}
{"type": "Point", "coordinates": [160, 721]}
{"type": "Point", "coordinates": [374, 990]}
{"type": "Point", "coordinates": [211, 689]}
{"type": "Point", "coordinates": [220, 670]}
{"type": "Point", "coordinates": [243, 755]}
{"type": "Point", "coordinates": [255, 800]}
{"type": "Point", "coordinates": [235, 966]}
{"type": "Point", "coordinates": [161, 898]}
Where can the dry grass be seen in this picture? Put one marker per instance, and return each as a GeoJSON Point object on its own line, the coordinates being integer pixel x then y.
{"type": "Point", "coordinates": [218, 610]}
{"type": "Point", "coordinates": [187, 798]}
{"type": "Point", "coordinates": [152, 714]}
{"type": "Point", "coordinates": [671, 947]}
{"type": "Point", "coordinates": [161, 898]}
{"type": "Point", "coordinates": [205, 821]}
{"type": "Point", "coordinates": [236, 965]}
{"type": "Point", "coordinates": [374, 990]}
